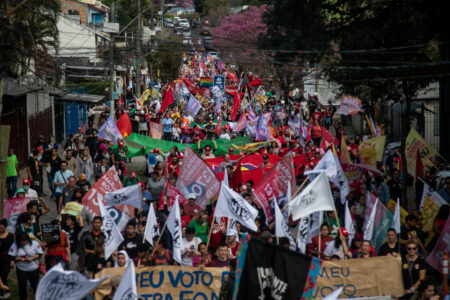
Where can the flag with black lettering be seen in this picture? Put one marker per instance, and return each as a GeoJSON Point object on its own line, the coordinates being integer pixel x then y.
{"type": "Point", "coordinates": [113, 237]}
{"type": "Point", "coordinates": [127, 288]}
{"type": "Point", "coordinates": [130, 195]}
{"type": "Point", "coordinates": [174, 226]}
{"type": "Point", "coordinates": [273, 272]}
{"type": "Point", "coordinates": [304, 237]}
{"type": "Point", "coordinates": [151, 227]}
{"type": "Point", "coordinates": [68, 285]}
{"type": "Point", "coordinates": [231, 204]}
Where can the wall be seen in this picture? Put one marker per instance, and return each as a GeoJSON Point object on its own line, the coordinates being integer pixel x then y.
{"type": "Point", "coordinates": [82, 9]}
{"type": "Point", "coordinates": [39, 114]}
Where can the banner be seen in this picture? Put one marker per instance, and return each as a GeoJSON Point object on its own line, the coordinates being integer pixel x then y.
{"type": "Point", "coordinates": [219, 81]}
{"type": "Point", "coordinates": [274, 272]}
{"type": "Point", "coordinates": [68, 285]}
{"type": "Point", "coordinates": [169, 282]}
{"type": "Point", "coordinates": [414, 142]}
{"type": "Point", "coordinates": [193, 106]}
{"type": "Point", "coordinates": [349, 105]}
{"type": "Point", "coordinates": [197, 177]}
{"type": "Point", "coordinates": [266, 191]}
{"type": "Point", "coordinates": [354, 277]}
{"type": "Point", "coordinates": [109, 131]}
{"type": "Point", "coordinates": [443, 243]}
{"type": "Point", "coordinates": [109, 182]}
{"type": "Point", "coordinates": [113, 237]}
{"type": "Point", "coordinates": [12, 208]}
{"type": "Point", "coordinates": [156, 130]}
{"type": "Point", "coordinates": [286, 173]}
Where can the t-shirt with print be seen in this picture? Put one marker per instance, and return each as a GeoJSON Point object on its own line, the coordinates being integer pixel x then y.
{"type": "Point", "coordinates": [26, 251]}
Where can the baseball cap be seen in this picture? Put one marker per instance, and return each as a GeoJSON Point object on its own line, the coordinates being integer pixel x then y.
{"type": "Point", "coordinates": [210, 122]}
{"type": "Point", "coordinates": [132, 174]}
{"type": "Point", "coordinates": [192, 196]}
{"type": "Point", "coordinates": [207, 148]}
{"type": "Point", "coordinates": [231, 149]}
{"type": "Point", "coordinates": [26, 181]}
{"type": "Point", "coordinates": [156, 150]}
{"type": "Point", "coordinates": [120, 143]}
{"type": "Point", "coordinates": [82, 176]}
{"type": "Point", "coordinates": [141, 184]}
{"type": "Point", "coordinates": [20, 191]}
{"type": "Point", "coordinates": [344, 231]}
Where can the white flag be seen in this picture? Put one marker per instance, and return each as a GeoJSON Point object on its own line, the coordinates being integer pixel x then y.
{"type": "Point", "coordinates": [368, 231]}
{"type": "Point", "coordinates": [340, 180]}
{"type": "Point", "coordinates": [430, 193]}
{"type": "Point", "coordinates": [151, 228]}
{"type": "Point", "coordinates": [304, 237]}
{"type": "Point", "coordinates": [225, 178]}
{"type": "Point", "coordinates": [231, 204]}
{"type": "Point", "coordinates": [315, 197]}
{"type": "Point", "coordinates": [130, 195]}
{"type": "Point", "coordinates": [68, 285]}
{"type": "Point", "coordinates": [127, 287]}
{"type": "Point", "coordinates": [334, 295]}
{"type": "Point", "coordinates": [396, 220]}
{"type": "Point", "coordinates": [174, 226]}
{"type": "Point", "coordinates": [349, 225]}
{"type": "Point", "coordinates": [316, 222]}
{"type": "Point", "coordinates": [327, 164]}
{"type": "Point", "coordinates": [113, 237]}
{"type": "Point", "coordinates": [232, 230]}
{"type": "Point", "coordinates": [281, 226]}
{"type": "Point", "coordinates": [109, 131]}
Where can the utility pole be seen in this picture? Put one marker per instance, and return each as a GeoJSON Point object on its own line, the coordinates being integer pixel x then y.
{"type": "Point", "coordinates": [112, 71]}
{"type": "Point", "coordinates": [138, 50]}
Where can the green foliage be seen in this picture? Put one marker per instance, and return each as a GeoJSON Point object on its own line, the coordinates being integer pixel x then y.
{"type": "Point", "coordinates": [26, 27]}
{"type": "Point", "coordinates": [90, 87]}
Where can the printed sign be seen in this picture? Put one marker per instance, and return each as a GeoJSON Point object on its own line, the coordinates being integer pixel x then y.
{"type": "Point", "coordinates": [360, 277]}
{"type": "Point", "coordinates": [50, 233]}
{"type": "Point", "coordinates": [219, 81]}
{"type": "Point", "coordinates": [170, 282]}
{"type": "Point", "coordinates": [349, 105]}
{"type": "Point", "coordinates": [415, 142]}
{"type": "Point", "coordinates": [156, 130]}
{"type": "Point", "coordinates": [12, 208]}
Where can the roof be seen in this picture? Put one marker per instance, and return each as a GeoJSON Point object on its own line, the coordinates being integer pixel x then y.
{"type": "Point", "coordinates": [82, 98]}
{"type": "Point", "coordinates": [21, 86]}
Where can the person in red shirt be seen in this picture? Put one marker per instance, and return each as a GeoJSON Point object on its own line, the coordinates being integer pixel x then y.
{"type": "Point", "coordinates": [58, 252]}
{"type": "Point", "coordinates": [222, 259]}
{"type": "Point", "coordinates": [191, 208]}
{"type": "Point", "coordinates": [325, 238]}
{"type": "Point", "coordinates": [317, 117]}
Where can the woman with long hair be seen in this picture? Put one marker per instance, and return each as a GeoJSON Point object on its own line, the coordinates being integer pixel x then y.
{"type": "Point", "coordinates": [26, 253]}
{"type": "Point", "coordinates": [85, 164]}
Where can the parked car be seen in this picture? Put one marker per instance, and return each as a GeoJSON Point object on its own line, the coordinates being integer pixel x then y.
{"type": "Point", "coordinates": [168, 23]}
{"type": "Point", "coordinates": [176, 20]}
{"type": "Point", "coordinates": [184, 23]}
{"type": "Point", "coordinates": [186, 32]}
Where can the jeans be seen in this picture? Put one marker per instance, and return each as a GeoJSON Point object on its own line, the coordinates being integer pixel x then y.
{"type": "Point", "coordinates": [52, 260]}
{"type": "Point", "coordinates": [4, 271]}
{"type": "Point", "coordinates": [11, 185]}
{"type": "Point", "coordinates": [50, 178]}
{"type": "Point", "coordinates": [167, 136]}
{"type": "Point", "coordinates": [23, 277]}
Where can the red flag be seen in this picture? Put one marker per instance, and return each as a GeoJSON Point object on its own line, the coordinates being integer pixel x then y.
{"type": "Point", "coordinates": [197, 177]}
{"type": "Point", "coordinates": [84, 128]}
{"type": "Point", "coordinates": [218, 126]}
{"type": "Point", "coordinates": [236, 106]}
{"type": "Point", "coordinates": [267, 190]}
{"type": "Point", "coordinates": [124, 125]}
{"type": "Point", "coordinates": [172, 194]}
{"type": "Point", "coordinates": [241, 123]}
{"type": "Point", "coordinates": [168, 99]}
{"type": "Point", "coordinates": [419, 165]}
{"type": "Point", "coordinates": [109, 182]}
{"type": "Point", "coordinates": [236, 177]}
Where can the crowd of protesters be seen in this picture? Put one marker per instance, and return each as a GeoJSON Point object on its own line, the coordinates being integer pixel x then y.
{"type": "Point", "coordinates": [70, 174]}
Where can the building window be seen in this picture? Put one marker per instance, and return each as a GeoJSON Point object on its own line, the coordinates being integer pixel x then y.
{"type": "Point", "coordinates": [436, 120]}
{"type": "Point", "coordinates": [72, 12]}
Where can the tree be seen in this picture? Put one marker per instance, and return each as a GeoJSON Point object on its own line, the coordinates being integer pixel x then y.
{"type": "Point", "coordinates": [405, 38]}
{"type": "Point", "coordinates": [167, 59]}
{"type": "Point", "coordinates": [26, 27]}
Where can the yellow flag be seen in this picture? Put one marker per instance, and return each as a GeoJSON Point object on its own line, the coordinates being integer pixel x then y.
{"type": "Point", "coordinates": [372, 150]}
{"type": "Point", "coordinates": [345, 156]}
{"type": "Point", "coordinates": [403, 212]}
{"type": "Point", "coordinates": [415, 142]}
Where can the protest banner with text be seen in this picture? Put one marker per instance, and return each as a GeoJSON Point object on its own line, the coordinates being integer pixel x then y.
{"type": "Point", "coordinates": [360, 277]}
{"type": "Point", "coordinates": [170, 282]}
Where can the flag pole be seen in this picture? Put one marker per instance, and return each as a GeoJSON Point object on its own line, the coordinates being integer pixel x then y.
{"type": "Point", "coordinates": [210, 229]}
{"type": "Point", "coordinates": [159, 238]}
{"type": "Point", "coordinates": [295, 194]}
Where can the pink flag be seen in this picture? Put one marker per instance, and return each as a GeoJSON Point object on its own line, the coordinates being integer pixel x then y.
{"type": "Point", "coordinates": [109, 182]}
{"type": "Point", "coordinates": [197, 177]}
{"type": "Point", "coordinates": [156, 130]}
{"type": "Point", "coordinates": [287, 173]}
{"type": "Point", "coordinates": [435, 258]}
{"type": "Point", "coordinates": [241, 123]}
{"type": "Point", "coordinates": [267, 190]}
{"type": "Point", "coordinates": [12, 208]}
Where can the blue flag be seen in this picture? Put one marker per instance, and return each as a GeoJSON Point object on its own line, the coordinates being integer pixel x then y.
{"type": "Point", "coordinates": [263, 131]}
{"type": "Point", "coordinates": [109, 131]}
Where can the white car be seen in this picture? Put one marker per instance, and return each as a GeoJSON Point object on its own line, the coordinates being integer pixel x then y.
{"type": "Point", "coordinates": [184, 23]}
{"type": "Point", "coordinates": [186, 32]}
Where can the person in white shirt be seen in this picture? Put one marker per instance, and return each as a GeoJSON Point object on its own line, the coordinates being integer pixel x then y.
{"type": "Point", "coordinates": [190, 246]}
{"type": "Point", "coordinates": [338, 246]}
{"type": "Point", "coordinates": [29, 192]}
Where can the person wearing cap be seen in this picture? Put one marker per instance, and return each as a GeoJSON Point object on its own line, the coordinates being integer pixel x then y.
{"type": "Point", "coordinates": [29, 192]}
{"type": "Point", "coordinates": [208, 153]}
{"type": "Point", "coordinates": [338, 246]}
{"type": "Point", "coordinates": [119, 154]}
{"type": "Point", "coordinates": [167, 124]}
{"type": "Point", "coordinates": [12, 169]}
{"type": "Point", "coordinates": [132, 179]}
{"type": "Point", "coordinates": [190, 207]}
{"type": "Point", "coordinates": [189, 247]}
{"type": "Point", "coordinates": [83, 182]}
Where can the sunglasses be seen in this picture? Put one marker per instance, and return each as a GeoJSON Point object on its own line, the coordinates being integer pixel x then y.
{"type": "Point", "coordinates": [411, 248]}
